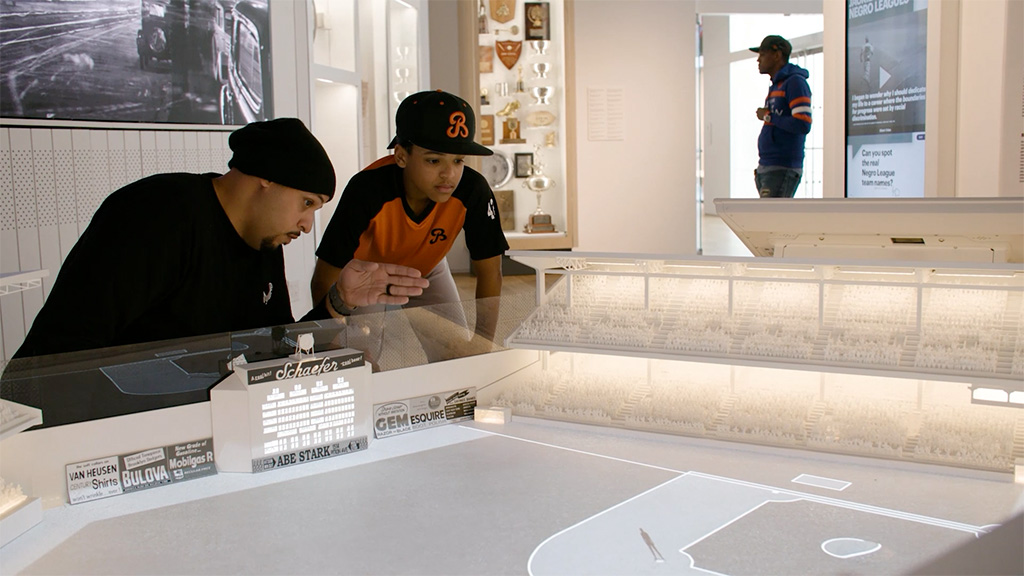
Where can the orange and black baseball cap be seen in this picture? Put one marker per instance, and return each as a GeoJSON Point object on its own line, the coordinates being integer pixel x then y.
{"type": "Point", "coordinates": [438, 121]}
{"type": "Point", "coordinates": [775, 43]}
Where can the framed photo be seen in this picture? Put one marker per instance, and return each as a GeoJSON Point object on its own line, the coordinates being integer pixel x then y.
{"type": "Point", "coordinates": [198, 62]}
{"type": "Point", "coordinates": [524, 164]}
{"type": "Point", "coordinates": [538, 21]}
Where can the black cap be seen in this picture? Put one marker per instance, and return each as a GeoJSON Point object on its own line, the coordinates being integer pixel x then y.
{"type": "Point", "coordinates": [438, 121]}
{"type": "Point", "coordinates": [775, 43]}
{"type": "Point", "coordinates": [285, 152]}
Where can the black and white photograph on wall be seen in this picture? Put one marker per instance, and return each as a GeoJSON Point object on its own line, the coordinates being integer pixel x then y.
{"type": "Point", "coordinates": [159, 61]}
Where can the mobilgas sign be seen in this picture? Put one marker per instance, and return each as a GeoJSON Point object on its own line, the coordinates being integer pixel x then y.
{"type": "Point", "coordinates": [423, 412]}
{"type": "Point", "coordinates": [289, 368]}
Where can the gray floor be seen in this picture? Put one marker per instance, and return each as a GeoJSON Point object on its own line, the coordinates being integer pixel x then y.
{"type": "Point", "coordinates": [718, 240]}
{"type": "Point", "coordinates": [542, 498]}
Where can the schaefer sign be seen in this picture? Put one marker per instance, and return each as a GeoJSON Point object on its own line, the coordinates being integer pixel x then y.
{"type": "Point", "coordinates": [414, 414]}
{"type": "Point", "coordinates": [307, 367]}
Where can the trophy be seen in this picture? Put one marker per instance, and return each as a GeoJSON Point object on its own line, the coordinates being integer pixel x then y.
{"type": "Point", "coordinates": [510, 108]}
{"type": "Point", "coordinates": [538, 182]}
{"type": "Point", "coordinates": [520, 85]}
{"type": "Point", "coordinates": [402, 74]}
{"type": "Point", "coordinates": [541, 70]}
{"type": "Point", "coordinates": [540, 47]}
{"type": "Point", "coordinates": [512, 131]}
{"type": "Point", "coordinates": [482, 19]}
{"type": "Point", "coordinates": [542, 93]}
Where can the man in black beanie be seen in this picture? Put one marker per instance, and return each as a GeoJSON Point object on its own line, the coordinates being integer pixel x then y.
{"type": "Point", "coordinates": [180, 255]}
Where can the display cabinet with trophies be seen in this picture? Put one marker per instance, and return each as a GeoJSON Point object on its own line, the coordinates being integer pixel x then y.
{"type": "Point", "coordinates": [523, 81]}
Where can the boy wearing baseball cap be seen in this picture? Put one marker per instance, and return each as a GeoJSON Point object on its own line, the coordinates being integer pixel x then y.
{"type": "Point", "coordinates": [407, 208]}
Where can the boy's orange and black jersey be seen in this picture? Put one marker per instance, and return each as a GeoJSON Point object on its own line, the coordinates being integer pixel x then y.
{"type": "Point", "coordinates": [373, 222]}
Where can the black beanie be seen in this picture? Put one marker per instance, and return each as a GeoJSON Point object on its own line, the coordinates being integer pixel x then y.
{"type": "Point", "coordinates": [284, 152]}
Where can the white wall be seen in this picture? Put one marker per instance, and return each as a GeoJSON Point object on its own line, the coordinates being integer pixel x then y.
{"type": "Point", "coordinates": [989, 120]}
{"type": "Point", "coordinates": [445, 74]}
{"type": "Point", "coordinates": [717, 90]}
{"type": "Point", "coordinates": [53, 178]}
{"type": "Point", "coordinates": [638, 194]}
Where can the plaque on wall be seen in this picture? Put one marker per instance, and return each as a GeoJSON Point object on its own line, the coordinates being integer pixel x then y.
{"type": "Point", "coordinates": [487, 129]}
{"type": "Point", "coordinates": [503, 10]}
{"type": "Point", "coordinates": [538, 19]}
{"type": "Point", "coordinates": [506, 208]}
{"type": "Point", "coordinates": [539, 118]}
{"type": "Point", "coordinates": [508, 51]}
{"type": "Point", "coordinates": [486, 59]}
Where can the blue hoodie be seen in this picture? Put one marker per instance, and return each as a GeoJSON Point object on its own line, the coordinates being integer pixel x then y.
{"type": "Point", "coordinates": [781, 142]}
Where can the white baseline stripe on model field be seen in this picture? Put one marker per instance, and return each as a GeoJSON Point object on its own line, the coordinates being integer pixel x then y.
{"type": "Point", "coordinates": [867, 508]}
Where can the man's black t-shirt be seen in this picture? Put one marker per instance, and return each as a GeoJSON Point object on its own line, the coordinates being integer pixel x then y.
{"type": "Point", "coordinates": [159, 260]}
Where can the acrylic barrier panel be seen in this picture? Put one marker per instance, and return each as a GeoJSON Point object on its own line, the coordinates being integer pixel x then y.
{"type": "Point", "coordinates": [93, 384]}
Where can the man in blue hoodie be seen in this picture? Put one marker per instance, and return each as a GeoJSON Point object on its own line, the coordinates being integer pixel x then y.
{"type": "Point", "coordinates": [787, 120]}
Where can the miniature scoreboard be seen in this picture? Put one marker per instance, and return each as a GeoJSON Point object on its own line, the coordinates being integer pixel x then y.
{"type": "Point", "coordinates": [293, 410]}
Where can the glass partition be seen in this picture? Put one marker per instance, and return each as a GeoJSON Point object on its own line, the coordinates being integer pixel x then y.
{"type": "Point", "coordinates": [93, 384]}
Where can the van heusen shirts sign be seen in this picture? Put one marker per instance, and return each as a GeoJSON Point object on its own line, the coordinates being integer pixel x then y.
{"type": "Point", "coordinates": [116, 475]}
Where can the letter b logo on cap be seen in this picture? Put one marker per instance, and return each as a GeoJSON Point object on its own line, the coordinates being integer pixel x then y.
{"type": "Point", "coordinates": [457, 126]}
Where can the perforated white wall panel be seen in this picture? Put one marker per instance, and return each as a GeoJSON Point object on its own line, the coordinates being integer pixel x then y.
{"type": "Point", "coordinates": [53, 180]}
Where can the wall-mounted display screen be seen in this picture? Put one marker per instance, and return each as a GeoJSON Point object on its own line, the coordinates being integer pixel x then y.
{"type": "Point", "coordinates": [886, 45]}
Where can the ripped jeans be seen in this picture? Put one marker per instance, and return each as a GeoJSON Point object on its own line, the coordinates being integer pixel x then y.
{"type": "Point", "coordinates": [776, 181]}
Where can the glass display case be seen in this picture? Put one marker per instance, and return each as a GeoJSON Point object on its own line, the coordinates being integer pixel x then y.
{"type": "Point", "coordinates": [336, 80]}
{"type": "Point", "coordinates": [403, 54]}
{"type": "Point", "coordinates": [900, 361]}
{"type": "Point", "coordinates": [524, 92]}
